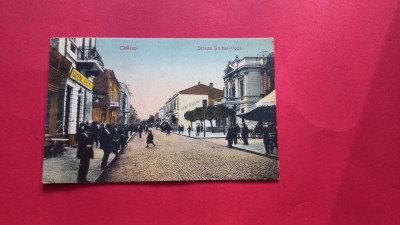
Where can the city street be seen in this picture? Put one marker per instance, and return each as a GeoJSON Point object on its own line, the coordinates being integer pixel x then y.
{"type": "Point", "coordinates": [177, 158]}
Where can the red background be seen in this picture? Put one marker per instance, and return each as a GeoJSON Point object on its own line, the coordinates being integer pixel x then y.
{"type": "Point", "coordinates": [337, 77]}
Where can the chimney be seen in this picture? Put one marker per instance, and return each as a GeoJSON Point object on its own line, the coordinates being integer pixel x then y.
{"type": "Point", "coordinates": [211, 85]}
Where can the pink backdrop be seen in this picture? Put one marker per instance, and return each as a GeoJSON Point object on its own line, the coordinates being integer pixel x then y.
{"type": "Point", "coordinates": [337, 78]}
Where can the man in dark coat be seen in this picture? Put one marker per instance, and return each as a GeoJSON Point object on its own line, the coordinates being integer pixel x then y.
{"type": "Point", "coordinates": [131, 128]}
{"type": "Point", "coordinates": [229, 137]}
{"type": "Point", "coordinates": [245, 134]}
{"type": "Point", "coordinates": [236, 131]}
{"type": "Point", "coordinates": [266, 140]}
{"type": "Point", "coordinates": [197, 130]}
{"type": "Point", "coordinates": [168, 129]}
{"type": "Point", "coordinates": [189, 129]}
{"type": "Point", "coordinates": [84, 154]}
{"type": "Point", "coordinates": [140, 130]}
{"type": "Point", "coordinates": [95, 133]}
{"type": "Point", "coordinates": [106, 143]}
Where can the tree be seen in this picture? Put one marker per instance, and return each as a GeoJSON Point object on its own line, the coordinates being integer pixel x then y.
{"type": "Point", "coordinates": [209, 114]}
{"type": "Point", "coordinates": [199, 114]}
{"type": "Point", "coordinates": [221, 112]}
{"type": "Point", "coordinates": [189, 116]}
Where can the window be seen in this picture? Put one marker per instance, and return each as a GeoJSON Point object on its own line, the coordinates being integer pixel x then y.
{"type": "Point", "coordinates": [241, 88]}
{"type": "Point", "coordinates": [73, 48]}
{"type": "Point", "coordinates": [114, 96]}
{"type": "Point", "coordinates": [233, 91]}
{"type": "Point", "coordinates": [205, 103]}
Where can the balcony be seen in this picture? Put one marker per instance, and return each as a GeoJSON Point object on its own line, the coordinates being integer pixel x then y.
{"type": "Point", "coordinates": [89, 62]}
{"type": "Point", "coordinates": [228, 101]}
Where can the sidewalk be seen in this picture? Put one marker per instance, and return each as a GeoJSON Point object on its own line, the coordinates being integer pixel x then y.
{"type": "Point", "coordinates": [64, 168]}
{"type": "Point", "coordinates": [201, 135]}
{"type": "Point", "coordinates": [255, 145]}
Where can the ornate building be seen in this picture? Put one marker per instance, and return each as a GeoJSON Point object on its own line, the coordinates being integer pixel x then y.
{"type": "Point", "coordinates": [246, 81]}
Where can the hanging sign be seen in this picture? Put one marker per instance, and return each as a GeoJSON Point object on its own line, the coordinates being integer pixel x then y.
{"type": "Point", "coordinates": [78, 77]}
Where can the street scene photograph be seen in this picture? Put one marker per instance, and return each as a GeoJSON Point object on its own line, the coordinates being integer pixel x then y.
{"type": "Point", "coordinates": [160, 109]}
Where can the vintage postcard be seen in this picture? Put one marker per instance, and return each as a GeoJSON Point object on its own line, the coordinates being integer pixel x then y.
{"type": "Point", "coordinates": [150, 110]}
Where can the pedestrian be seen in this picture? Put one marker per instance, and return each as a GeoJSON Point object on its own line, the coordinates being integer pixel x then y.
{"type": "Point", "coordinates": [236, 131]}
{"type": "Point", "coordinates": [106, 144]}
{"type": "Point", "coordinates": [189, 129]}
{"type": "Point", "coordinates": [131, 128]}
{"type": "Point", "coordinates": [168, 129]}
{"type": "Point", "coordinates": [266, 141]}
{"type": "Point", "coordinates": [197, 130]}
{"type": "Point", "coordinates": [84, 154]}
{"type": "Point", "coordinates": [245, 134]}
{"type": "Point", "coordinates": [115, 142]}
{"type": "Point", "coordinates": [179, 129]}
{"type": "Point", "coordinates": [229, 137]}
{"type": "Point", "coordinates": [95, 133]}
{"type": "Point", "coordinates": [122, 139]}
{"type": "Point", "coordinates": [150, 139]}
{"type": "Point", "coordinates": [101, 131]}
{"type": "Point", "coordinates": [140, 130]}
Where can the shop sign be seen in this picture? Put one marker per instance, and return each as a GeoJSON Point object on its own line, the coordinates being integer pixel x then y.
{"type": "Point", "coordinates": [114, 104]}
{"type": "Point", "coordinates": [78, 77]}
{"type": "Point", "coordinates": [99, 96]}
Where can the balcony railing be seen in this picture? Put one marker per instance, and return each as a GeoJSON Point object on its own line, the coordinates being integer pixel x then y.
{"type": "Point", "coordinates": [90, 53]}
{"type": "Point", "coordinates": [228, 99]}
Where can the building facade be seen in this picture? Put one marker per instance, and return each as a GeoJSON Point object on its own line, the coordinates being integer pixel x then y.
{"type": "Point", "coordinates": [161, 113]}
{"type": "Point", "coordinates": [75, 90]}
{"type": "Point", "coordinates": [106, 104]}
{"type": "Point", "coordinates": [246, 81]}
{"type": "Point", "coordinates": [59, 69]}
{"type": "Point", "coordinates": [125, 104]}
{"type": "Point", "coordinates": [189, 99]}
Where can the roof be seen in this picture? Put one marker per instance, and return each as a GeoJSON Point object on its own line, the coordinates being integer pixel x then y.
{"type": "Point", "coordinates": [202, 89]}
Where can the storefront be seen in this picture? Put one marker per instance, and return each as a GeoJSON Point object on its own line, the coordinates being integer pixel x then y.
{"type": "Point", "coordinates": [58, 72]}
{"type": "Point", "coordinates": [77, 104]}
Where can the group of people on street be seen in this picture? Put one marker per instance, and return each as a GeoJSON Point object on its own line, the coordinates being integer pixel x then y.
{"type": "Point", "coordinates": [199, 128]}
{"type": "Point", "coordinates": [181, 128]}
{"type": "Point", "coordinates": [114, 138]}
{"type": "Point", "coordinates": [269, 136]}
{"type": "Point", "coordinates": [109, 138]}
{"type": "Point", "coordinates": [166, 127]}
{"type": "Point", "coordinates": [233, 132]}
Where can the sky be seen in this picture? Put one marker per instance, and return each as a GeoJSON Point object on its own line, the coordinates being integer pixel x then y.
{"type": "Point", "coordinates": [155, 69]}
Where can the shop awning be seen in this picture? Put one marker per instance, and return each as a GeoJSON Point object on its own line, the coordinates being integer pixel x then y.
{"type": "Point", "coordinates": [262, 113]}
{"type": "Point", "coordinates": [265, 110]}
{"type": "Point", "coordinates": [268, 100]}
